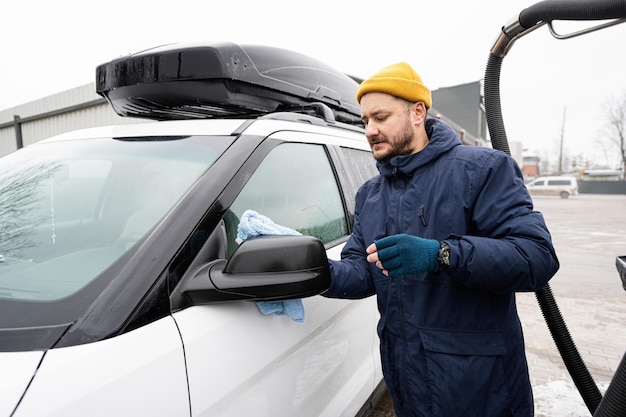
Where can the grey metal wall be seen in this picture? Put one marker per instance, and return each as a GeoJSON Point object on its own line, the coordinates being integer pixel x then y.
{"type": "Point", "coordinates": [463, 103]}
{"type": "Point", "coordinates": [77, 108]}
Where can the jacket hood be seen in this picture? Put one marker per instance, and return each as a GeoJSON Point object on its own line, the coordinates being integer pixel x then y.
{"type": "Point", "coordinates": [441, 137]}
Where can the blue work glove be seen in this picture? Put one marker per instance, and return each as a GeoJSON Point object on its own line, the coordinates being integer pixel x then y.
{"type": "Point", "coordinates": [407, 255]}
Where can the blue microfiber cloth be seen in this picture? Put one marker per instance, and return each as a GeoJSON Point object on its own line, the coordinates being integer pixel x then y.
{"type": "Point", "coordinates": [254, 224]}
{"type": "Point", "coordinates": [290, 308]}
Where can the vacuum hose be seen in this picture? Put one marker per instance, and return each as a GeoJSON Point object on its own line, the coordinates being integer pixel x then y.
{"type": "Point", "coordinates": [614, 402]}
{"type": "Point", "coordinates": [573, 362]}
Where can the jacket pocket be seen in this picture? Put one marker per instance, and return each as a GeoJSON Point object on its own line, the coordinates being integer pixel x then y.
{"type": "Point", "coordinates": [466, 372]}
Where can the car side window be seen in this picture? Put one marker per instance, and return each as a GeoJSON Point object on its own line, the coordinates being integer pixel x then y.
{"type": "Point", "coordinates": [363, 163]}
{"type": "Point", "coordinates": [362, 167]}
{"type": "Point", "coordinates": [294, 186]}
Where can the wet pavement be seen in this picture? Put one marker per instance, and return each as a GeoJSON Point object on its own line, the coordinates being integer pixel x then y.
{"type": "Point", "coordinates": [589, 232]}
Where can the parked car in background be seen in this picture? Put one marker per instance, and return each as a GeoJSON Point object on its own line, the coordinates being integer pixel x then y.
{"type": "Point", "coordinates": [123, 288]}
{"type": "Point", "coordinates": [563, 186]}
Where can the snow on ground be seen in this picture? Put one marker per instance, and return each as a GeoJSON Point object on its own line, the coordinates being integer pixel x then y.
{"type": "Point", "coordinates": [561, 399]}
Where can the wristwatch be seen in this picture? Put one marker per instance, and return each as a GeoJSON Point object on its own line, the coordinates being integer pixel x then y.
{"type": "Point", "coordinates": [443, 257]}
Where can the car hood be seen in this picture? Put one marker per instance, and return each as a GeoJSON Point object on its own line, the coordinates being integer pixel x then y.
{"type": "Point", "coordinates": [18, 368]}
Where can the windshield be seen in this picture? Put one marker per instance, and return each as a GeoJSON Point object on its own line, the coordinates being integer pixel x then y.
{"type": "Point", "coordinates": [70, 209]}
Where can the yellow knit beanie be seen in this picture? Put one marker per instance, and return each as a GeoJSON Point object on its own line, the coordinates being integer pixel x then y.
{"type": "Point", "coordinates": [399, 80]}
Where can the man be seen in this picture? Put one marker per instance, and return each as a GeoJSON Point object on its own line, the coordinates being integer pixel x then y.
{"type": "Point", "coordinates": [444, 236]}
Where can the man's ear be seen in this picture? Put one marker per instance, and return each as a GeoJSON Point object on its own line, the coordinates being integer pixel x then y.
{"type": "Point", "coordinates": [419, 111]}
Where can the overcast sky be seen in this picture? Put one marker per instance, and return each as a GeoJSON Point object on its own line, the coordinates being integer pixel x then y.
{"type": "Point", "coordinates": [548, 87]}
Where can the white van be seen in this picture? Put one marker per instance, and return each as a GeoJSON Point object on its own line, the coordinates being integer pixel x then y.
{"type": "Point", "coordinates": [562, 185]}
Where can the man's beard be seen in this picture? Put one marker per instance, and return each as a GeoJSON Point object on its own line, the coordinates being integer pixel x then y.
{"type": "Point", "coordinates": [400, 144]}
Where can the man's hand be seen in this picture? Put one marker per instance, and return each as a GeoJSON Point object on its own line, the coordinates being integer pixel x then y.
{"type": "Point", "coordinates": [403, 254]}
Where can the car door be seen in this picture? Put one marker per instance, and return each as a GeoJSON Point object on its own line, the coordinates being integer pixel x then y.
{"type": "Point", "coordinates": [139, 373]}
{"type": "Point", "coordinates": [242, 362]}
{"type": "Point", "coordinates": [537, 187]}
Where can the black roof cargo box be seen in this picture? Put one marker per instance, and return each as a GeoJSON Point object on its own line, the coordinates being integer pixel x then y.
{"type": "Point", "coordinates": [188, 81]}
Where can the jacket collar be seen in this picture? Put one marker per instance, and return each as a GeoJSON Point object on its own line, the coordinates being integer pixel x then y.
{"type": "Point", "coordinates": [441, 138]}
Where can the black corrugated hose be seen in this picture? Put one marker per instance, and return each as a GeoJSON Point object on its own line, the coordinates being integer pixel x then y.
{"type": "Point", "coordinates": [614, 402]}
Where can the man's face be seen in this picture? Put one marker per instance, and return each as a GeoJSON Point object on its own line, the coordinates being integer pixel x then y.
{"type": "Point", "coordinates": [388, 125]}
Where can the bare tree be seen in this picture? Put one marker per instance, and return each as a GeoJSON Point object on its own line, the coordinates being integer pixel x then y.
{"type": "Point", "coordinates": [615, 129]}
{"type": "Point", "coordinates": [22, 207]}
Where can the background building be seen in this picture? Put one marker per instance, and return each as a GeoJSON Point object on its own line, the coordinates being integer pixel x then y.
{"type": "Point", "coordinates": [464, 104]}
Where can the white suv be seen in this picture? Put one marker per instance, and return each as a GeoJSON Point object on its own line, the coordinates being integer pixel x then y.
{"type": "Point", "coordinates": [123, 288]}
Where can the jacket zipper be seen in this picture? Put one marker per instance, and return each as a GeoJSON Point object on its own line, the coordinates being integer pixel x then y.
{"type": "Point", "coordinates": [398, 285]}
{"type": "Point", "coordinates": [421, 216]}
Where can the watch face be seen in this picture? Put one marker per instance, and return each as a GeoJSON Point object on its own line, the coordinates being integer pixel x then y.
{"type": "Point", "coordinates": [444, 255]}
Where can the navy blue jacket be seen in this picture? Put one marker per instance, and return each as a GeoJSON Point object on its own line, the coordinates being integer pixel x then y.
{"type": "Point", "coordinates": [451, 342]}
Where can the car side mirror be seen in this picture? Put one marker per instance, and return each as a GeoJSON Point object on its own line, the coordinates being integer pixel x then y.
{"type": "Point", "coordinates": [265, 268]}
{"type": "Point", "coordinates": [620, 263]}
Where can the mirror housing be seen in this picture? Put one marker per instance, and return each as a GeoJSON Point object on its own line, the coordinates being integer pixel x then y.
{"type": "Point", "coordinates": [620, 263]}
{"type": "Point", "coordinates": [265, 268]}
